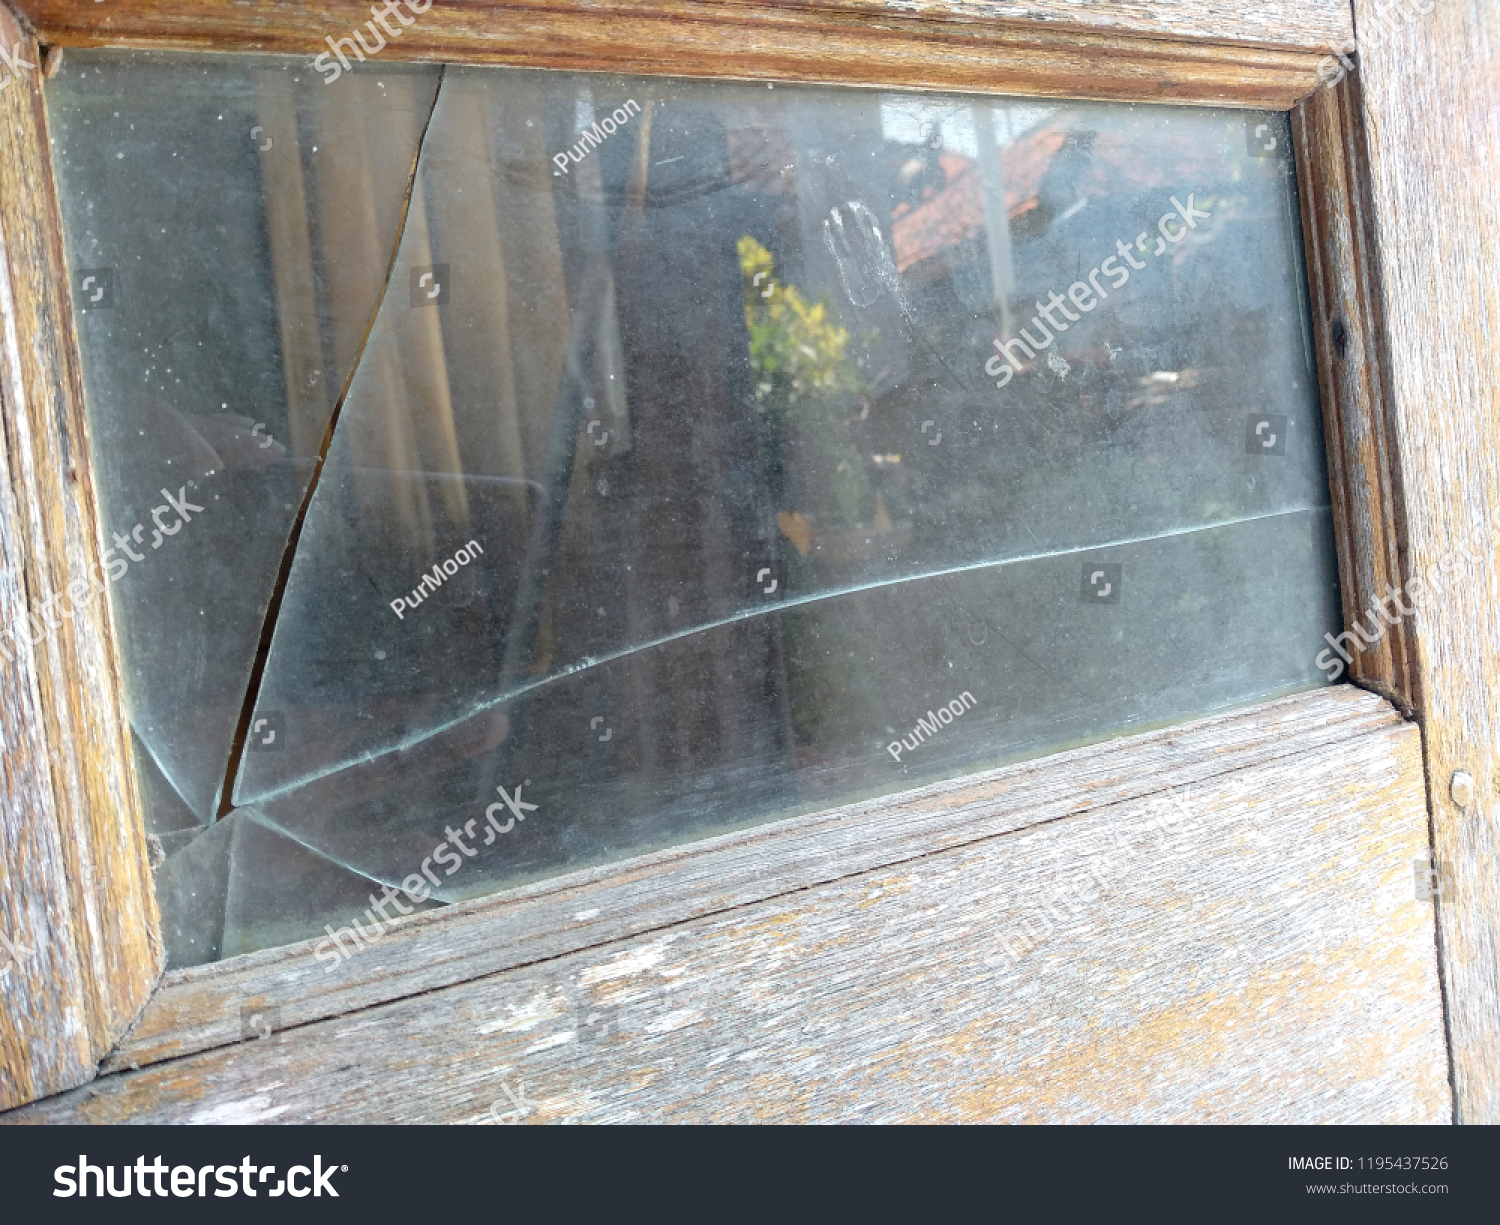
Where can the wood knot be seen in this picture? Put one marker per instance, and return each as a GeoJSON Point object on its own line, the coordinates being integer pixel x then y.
{"type": "Point", "coordinates": [1340, 333]}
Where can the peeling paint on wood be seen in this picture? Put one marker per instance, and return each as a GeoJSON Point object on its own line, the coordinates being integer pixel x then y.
{"type": "Point", "coordinates": [851, 933]}
{"type": "Point", "coordinates": [199, 1008]}
{"type": "Point", "coordinates": [1258, 956]}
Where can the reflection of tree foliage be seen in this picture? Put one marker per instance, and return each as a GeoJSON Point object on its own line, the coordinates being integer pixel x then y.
{"type": "Point", "coordinates": [805, 383]}
{"type": "Point", "coordinates": [797, 351]}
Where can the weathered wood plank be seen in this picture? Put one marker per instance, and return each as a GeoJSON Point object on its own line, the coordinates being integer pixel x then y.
{"type": "Point", "coordinates": [941, 47]}
{"type": "Point", "coordinates": [1151, 50]}
{"type": "Point", "coordinates": [1431, 88]}
{"type": "Point", "coordinates": [1256, 954]}
{"type": "Point", "coordinates": [198, 1008]}
{"type": "Point", "coordinates": [1353, 363]}
{"type": "Point", "coordinates": [1303, 24]}
{"type": "Point", "coordinates": [1272, 23]}
{"type": "Point", "coordinates": [76, 889]}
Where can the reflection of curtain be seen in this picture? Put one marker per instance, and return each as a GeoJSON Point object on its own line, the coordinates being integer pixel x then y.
{"type": "Point", "coordinates": [465, 389]}
{"type": "Point", "coordinates": [332, 218]}
{"type": "Point", "coordinates": [308, 398]}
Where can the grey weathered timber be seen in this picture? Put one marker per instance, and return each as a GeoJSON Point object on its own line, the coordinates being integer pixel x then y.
{"type": "Point", "coordinates": [199, 1008]}
{"type": "Point", "coordinates": [788, 917]}
{"type": "Point", "coordinates": [79, 954]}
{"type": "Point", "coordinates": [1431, 88]}
{"type": "Point", "coordinates": [1208, 923]}
{"type": "Point", "coordinates": [1272, 23]}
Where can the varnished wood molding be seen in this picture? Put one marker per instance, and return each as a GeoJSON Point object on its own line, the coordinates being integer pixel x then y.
{"type": "Point", "coordinates": [76, 889]}
{"type": "Point", "coordinates": [1060, 946]}
{"type": "Point", "coordinates": [199, 1008]}
{"type": "Point", "coordinates": [1431, 99]}
{"type": "Point", "coordinates": [1301, 24]}
{"type": "Point", "coordinates": [1277, 23]}
{"type": "Point", "coordinates": [1169, 50]}
{"type": "Point", "coordinates": [1349, 331]}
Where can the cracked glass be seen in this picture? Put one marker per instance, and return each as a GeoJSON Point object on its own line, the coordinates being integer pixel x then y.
{"type": "Point", "coordinates": [567, 466]}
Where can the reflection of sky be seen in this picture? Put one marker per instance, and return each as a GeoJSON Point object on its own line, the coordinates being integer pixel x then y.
{"type": "Point", "coordinates": [907, 121]}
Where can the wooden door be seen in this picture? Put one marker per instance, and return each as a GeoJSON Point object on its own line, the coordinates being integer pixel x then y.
{"type": "Point", "coordinates": [1219, 921]}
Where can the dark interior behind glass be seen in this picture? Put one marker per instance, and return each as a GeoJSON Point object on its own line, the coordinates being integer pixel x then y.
{"type": "Point", "coordinates": [578, 465]}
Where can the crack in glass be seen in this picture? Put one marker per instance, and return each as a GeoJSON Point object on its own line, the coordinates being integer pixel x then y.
{"type": "Point", "coordinates": [668, 488]}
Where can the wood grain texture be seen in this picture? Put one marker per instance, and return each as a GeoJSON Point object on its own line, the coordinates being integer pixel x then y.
{"type": "Point", "coordinates": [197, 1009]}
{"type": "Point", "coordinates": [1161, 51]}
{"type": "Point", "coordinates": [1067, 948]}
{"type": "Point", "coordinates": [1353, 362]}
{"type": "Point", "coordinates": [1303, 24]}
{"type": "Point", "coordinates": [741, 917]}
{"type": "Point", "coordinates": [76, 891]}
{"type": "Point", "coordinates": [1431, 90]}
{"type": "Point", "coordinates": [1277, 23]}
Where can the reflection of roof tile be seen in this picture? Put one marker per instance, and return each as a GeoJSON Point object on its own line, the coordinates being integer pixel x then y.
{"type": "Point", "coordinates": [955, 213]}
{"type": "Point", "coordinates": [944, 219]}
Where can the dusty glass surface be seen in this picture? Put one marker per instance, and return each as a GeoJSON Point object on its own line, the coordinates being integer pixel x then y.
{"type": "Point", "coordinates": [228, 225]}
{"type": "Point", "coordinates": [721, 452]}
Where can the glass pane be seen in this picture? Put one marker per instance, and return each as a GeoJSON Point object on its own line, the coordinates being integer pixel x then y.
{"type": "Point", "coordinates": [719, 452]}
{"type": "Point", "coordinates": [229, 224]}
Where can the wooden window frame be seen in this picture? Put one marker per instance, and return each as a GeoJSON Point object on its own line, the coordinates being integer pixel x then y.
{"type": "Point", "coordinates": [91, 999]}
